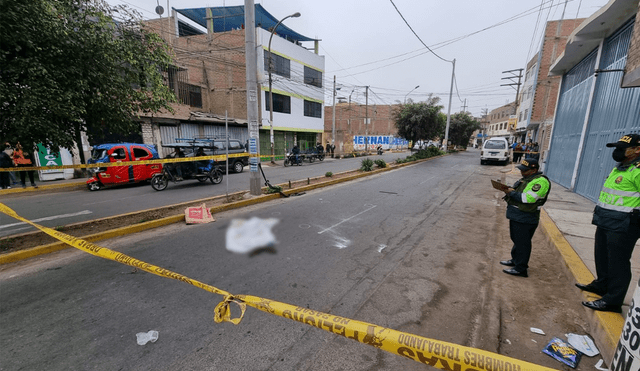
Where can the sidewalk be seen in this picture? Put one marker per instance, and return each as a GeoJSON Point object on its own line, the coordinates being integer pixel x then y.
{"type": "Point", "coordinates": [571, 214]}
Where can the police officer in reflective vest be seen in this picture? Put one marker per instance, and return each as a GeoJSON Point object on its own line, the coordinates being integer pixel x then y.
{"type": "Point", "coordinates": [524, 201]}
{"type": "Point", "coordinates": [617, 219]}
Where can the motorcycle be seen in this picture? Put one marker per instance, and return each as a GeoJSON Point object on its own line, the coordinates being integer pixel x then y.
{"type": "Point", "coordinates": [380, 151]}
{"type": "Point", "coordinates": [290, 159]}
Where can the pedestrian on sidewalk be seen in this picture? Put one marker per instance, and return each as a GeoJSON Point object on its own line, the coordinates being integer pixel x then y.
{"type": "Point", "coordinates": [9, 151]}
{"type": "Point", "coordinates": [617, 217]}
{"type": "Point", "coordinates": [524, 201]}
{"type": "Point", "coordinates": [5, 162]}
{"type": "Point", "coordinates": [517, 153]}
{"type": "Point", "coordinates": [23, 159]}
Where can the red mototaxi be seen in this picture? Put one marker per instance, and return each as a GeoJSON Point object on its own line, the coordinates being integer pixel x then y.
{"type": "Point", "coordinates": [121, 152]}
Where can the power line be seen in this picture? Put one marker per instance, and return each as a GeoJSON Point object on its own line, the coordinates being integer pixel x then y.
{"type": "Point", "coordinates": [425, 45]}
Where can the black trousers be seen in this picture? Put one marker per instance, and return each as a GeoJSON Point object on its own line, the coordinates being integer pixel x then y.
{"type": "Point", "coordinates": [24, 173]}
{"type": "Point", "coordinates": [521, 235]}
{"type": "Point", "coordinates": [4, 180]}
{"type": "Point", "coordinates": [613, 263]}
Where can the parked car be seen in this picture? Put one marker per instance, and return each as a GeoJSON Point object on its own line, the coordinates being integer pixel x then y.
{"type": "Point", "coordinates": [236, 163]}
{"type": "Point", "coordinates": [495, 150]}
{"type": "Point", "coordinates": [121, 152]}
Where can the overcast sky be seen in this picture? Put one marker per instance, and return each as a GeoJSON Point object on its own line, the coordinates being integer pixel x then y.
{"type": "Point", "coordinates": [368, 43]}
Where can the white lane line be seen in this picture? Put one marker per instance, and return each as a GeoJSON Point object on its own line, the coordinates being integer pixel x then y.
{"type": "Point", "coordinates": [424, 181]}
{"type": "Point", "coordinates": [345, 220]}
{"type": "Point", "coordinates": [84, 212]}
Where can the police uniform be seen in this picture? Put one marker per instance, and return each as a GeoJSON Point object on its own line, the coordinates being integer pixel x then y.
{"type": "Point", "coordinates": [617, 219]}
{"type": "Point", "coordinates": [523, 211]}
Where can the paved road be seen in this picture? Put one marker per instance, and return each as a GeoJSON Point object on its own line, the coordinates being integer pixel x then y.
{"type": "Point", "coordinates": [60, 208]}
{"type": "Point", "coordinates": [414, 249]}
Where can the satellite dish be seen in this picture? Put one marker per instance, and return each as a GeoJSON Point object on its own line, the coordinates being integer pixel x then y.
{"type": "Point", "coordinates": [159, 10]}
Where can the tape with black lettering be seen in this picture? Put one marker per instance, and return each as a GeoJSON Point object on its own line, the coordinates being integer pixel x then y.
{"type": "Point", "coordinates": [435, 353]}
{"type": "Point", "coordinates": [221, 158]}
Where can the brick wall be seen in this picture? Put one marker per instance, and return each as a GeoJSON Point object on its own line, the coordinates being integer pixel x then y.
{"type": "Point", "coordinates": [633, 58]}
{"type": "Point", "coordinates": [546, 92]}
{"type": "Point", "coordinates": [147, 133]}
{"type": "Point", "coordinates": [214, 62]}
{"type": "Point", "coordinates": [350, 121]}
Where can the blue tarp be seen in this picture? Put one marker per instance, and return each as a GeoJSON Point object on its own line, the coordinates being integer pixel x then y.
{"type": "Point", "coordinates": [227, 18]}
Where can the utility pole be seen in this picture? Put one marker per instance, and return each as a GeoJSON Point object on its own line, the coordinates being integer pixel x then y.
{"type": "Point", "coordinates": [517, 84]}
{"type": "Point", "coordinates": [333, 120]}
{"type": "Point", "coordinates": [366, 119]}
{"type": "Point", "coordinates": [252, 95]}
{"type": "Point", "coordinates": [464, 107]}
{"type": "Point", "coordinates": [445, 142]}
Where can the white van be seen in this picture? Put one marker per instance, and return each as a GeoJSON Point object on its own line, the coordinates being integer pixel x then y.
{"type": "Point", "coordinates": [495, 149]}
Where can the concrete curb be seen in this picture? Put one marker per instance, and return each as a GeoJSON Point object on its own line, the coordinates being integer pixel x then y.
{"type": "Point", "coordinates": [605, 326]}
{"type": "Point", "coordinates": [43, 187]}
{"type": "Point", "coordinates": [118, 232]}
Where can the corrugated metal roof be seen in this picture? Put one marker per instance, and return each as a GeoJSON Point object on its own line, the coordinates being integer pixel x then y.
{"type": "Point", "coordinates": [227, 18]}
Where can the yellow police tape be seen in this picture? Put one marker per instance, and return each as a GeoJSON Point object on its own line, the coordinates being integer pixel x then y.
{"type": "Point", "coordinates": [129, 163]}
{"type": "Point", "coordinates": [439, 354]}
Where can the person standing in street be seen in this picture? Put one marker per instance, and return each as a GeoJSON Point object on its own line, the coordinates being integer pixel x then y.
{"type": "Point", "coordinates": [524, 201]}
{"type": "Point", "coordinates": [617, 220]}
{"type": "Point", "coordinates": [23, 159]}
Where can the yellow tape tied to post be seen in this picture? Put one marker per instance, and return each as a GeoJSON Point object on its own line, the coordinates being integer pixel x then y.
{"type": "Point", "coordinates": [439, 354]}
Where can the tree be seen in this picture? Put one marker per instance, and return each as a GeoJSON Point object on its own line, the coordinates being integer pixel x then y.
{"type": "Point", "coordinates": [67, 66]}
{"type": "Point", "coordinates": [419, 121]}
{"type": "Point", "coordinates": [461, 127]}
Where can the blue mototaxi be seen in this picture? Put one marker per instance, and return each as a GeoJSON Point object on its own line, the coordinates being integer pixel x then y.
{"type": "Point", "coordinates": [201, 170]}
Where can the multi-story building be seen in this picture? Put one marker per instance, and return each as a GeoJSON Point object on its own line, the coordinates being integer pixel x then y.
{"type": "Point", "coordinates": [498, 121]}
{"type": "Point", "coordinates": [525, 101]}
{"type": "Point", "coordinates": [539, 92]}
{"type": "Point", "coordinates": [209, 79]}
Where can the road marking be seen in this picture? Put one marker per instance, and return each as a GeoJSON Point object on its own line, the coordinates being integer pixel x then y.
{"type": "Point", "coordinates": [84, 212]}
{"type": "Point", "coordinates": [345, 220]}
{"type": "Point", "coordinates": [424, 181]}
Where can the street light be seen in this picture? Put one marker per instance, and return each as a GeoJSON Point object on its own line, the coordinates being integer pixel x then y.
{"type": "Point", "coordinates": [405, 97]}
{"type": "Point", "coordinates": [273, 156]}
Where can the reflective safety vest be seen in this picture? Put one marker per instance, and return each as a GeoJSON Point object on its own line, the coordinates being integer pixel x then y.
{"type": "Point", "coordinates": [527, 199]}
{"type": "Point", "coordinates": [621, 190]}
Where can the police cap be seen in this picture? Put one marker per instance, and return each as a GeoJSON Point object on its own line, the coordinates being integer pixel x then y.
{"type": "Point", "coordinates": [629, 140]}
{"type": "Point", "coordinates": [528, 164]}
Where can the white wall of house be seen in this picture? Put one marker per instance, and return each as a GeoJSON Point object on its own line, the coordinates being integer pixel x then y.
{"type": "Point", "coordinates": [526, 98]}
{"type": "Point", "coordinates": [293, 87]}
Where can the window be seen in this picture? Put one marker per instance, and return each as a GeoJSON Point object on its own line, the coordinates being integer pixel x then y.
{"type": "Point", "coordinates": [140, 153]}
{"type": "Point", "coordinates": [312, 109]}
{"type": "Point", "coordinates": [281, 65]}
{"type": "Point", "coordinates": [195, 96]}
{"type": "Point", "coordinates": [495, 144]}
{"type": "Point", "coordinates": [312, 77]}
{"type": "Point", "coordinates": [281, 103]}
{"type": "Point", "coordinates": [234, 144]}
